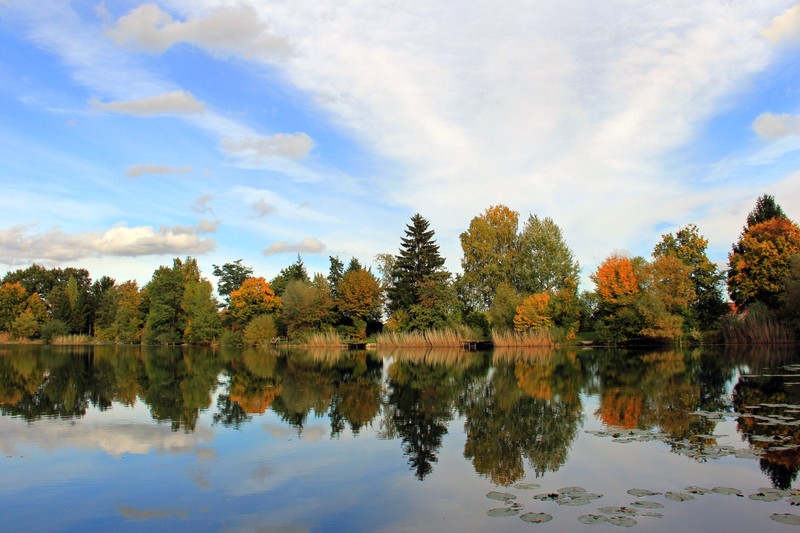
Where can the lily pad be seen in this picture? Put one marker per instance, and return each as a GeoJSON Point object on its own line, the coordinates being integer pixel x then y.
{"type": "Point", "coordinates": [618, 510]}
{"type": "Point", "coordinates": [622, 521]}
{"type": "Point", "coordinates": [697, 490]}
{"type": "Point", "coordinates": [502, 511]}
{"type": "Point", "coordinates": [536, 518]}
{"type": "Point", "coordinates": [500, 496]}
{"type": "Point", "coordinates": [527, 486]}
{"type": "Point", "coordinates": [678, 496]}
{"type": "Point", "coordinates": [786, 518]}
{"type": "Point", "coordinates": [639, 493]}
{"type": "Point", "coordinates": [726, 490]}
{"type": "Point", "coordinates": [592, 519]}
{"type": "Point", "coordinates": [766, 497]}
{"type": "Point", "coordinates": [793, 500]}
{"type": "Point", "coordinates": [570, 490]}
{"type": "Point", "coordinates": [651, 514]}
{"type": "Point", "coordinates": [648, 505]}
{"type": "Point", "coordinates": [547, 496]}
{"type": "Point", "coordinates": [572, 502]}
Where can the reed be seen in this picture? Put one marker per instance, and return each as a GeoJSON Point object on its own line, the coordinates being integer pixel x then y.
{"type": "Point", "coordinates": [71, 340]}
{"type": "Point", "coordinates": [532, 337]}
{"type": "Point", "coordinates": [323, 338]}
{"type": "Point", "coordinates": [756, 327]}
{"type": "Point", "coordinates": [446, 337]}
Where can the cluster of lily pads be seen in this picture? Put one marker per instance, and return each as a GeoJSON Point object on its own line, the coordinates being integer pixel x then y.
{"type": "Point", "coordinates": [626, 516]}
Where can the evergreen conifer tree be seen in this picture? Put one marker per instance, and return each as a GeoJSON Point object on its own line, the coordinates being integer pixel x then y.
{"type": "Point", "coordinates": [418, 260]}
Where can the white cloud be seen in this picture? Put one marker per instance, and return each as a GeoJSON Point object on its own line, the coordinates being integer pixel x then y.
{"type": "Point", "coordinates": [307, 245]}
{"type": "Point", "coordinates": [262, 207]}
{"type": "Point", "coordinates": [135, 171]}
{"type": "Point", "coordinates": [19, 246]}
{"type": "Point", "coordinates": [785, 26]}
{"type": "Point", "coordinates": [775, 126]}
{"type": "Point", "coordinates": [225, 31]}
{"type": "Point", "coordinates": [171, 103]}
{"type": "Point", "coordinates": [202, 204]}
{"type": "Point", "coordinates": [259, 148]}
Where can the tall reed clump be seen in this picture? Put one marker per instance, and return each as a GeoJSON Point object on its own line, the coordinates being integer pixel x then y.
{"type": "Point", "coordinates": [758, 326]}
{"type": "Point", "coordinates": [531, 337]}
{"type": "Point", "coordinates": [446, 337]}
{"type": "Point", "coordinates": [323, 338]}
{"type": "Point", "coordinates": [65, 340]}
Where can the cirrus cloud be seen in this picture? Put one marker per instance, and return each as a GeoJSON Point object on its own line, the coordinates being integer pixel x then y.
{"type": "Point", "coordinates": [260, 148]}
{"type": "Point", "coordinates": [135, 171]}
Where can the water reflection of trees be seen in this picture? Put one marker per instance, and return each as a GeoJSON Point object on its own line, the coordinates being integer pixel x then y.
{"type": "Point", "coordinates": [529, 409]}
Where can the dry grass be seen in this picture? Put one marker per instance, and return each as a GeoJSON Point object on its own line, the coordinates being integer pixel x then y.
{"type": "Point", "coordinates": [71, 340]}
{"type": "Point", "coordinates": [532, 338]}
{"type": "Point", "coordinates": [449, 337]}
{"type": "Point", "coordinates": [324, 338]}
{"type": "Point", "coordinates": [522, 354]}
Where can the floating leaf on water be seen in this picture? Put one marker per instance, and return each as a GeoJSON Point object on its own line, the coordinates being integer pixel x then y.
{"type": "Point", "coordinates": [592, 519]}
{"type": "Point", "coordinates": [697, 490]}
{"type": "Point", "coordinates": [617, 510]}
{"type": "Point", "coordinates": [502, 511]}
{"type": "Point", "coordinates": [786, 518]}
{"type": "Point", "coordinates": [571, 502]}
{"type": "Point", "coordinates": [648, 505]}
{"type": "Point", "coordinates": [780, 492]}
{"type": "Point", "coordinates": [622, 521]}
{"type": "Point", "coordinates": [527, 486]}
{"type": "Point", "coordinates": [678, 496]}
{"type": "Point", "coordinates": [624, 440]}
{"type": "Point", "coordinates": [501, 496]}
{"type": "Point", "coordinates": [591, 495]}
{"type": "Point", "coordinates": [793, 500]}
{"type": "Point", "coordinates": [536, 518]}
{"type": "Point", "coordinates": [569, 490]}
{"type": "Point", "coordinates": [726, 490]}
{"type": "Point", "coordinates": [547, 497]}
{"type": "Point", "coordinates": [642, 492]}
{"type": "Point", "coordinates": [651, 514]}
{"type": "Point", "coordinates": [766, 497]}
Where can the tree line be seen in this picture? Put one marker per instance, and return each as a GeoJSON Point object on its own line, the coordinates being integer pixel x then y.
{"type": "Point", "coordinates": [513, 279]}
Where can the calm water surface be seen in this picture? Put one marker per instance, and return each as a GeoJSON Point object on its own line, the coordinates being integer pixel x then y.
{"type": "Point", "coordinates": [128, 438]}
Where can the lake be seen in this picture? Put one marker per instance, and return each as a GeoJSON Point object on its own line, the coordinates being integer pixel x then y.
{"type": "Point", "coordinates": [161, 439]}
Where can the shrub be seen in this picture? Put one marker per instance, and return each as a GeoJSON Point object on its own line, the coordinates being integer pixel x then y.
{"type": "Point", "coordinates": [260, 331]}
{"type": "Point", "coordinates": [54, 328]}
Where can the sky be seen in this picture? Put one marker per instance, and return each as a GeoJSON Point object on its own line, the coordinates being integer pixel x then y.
{"type": "Point", "coordinates": [132, 133]}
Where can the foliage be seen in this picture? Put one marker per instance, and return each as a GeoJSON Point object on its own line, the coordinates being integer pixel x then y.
{"type": "Point", "coordinates": [615, 280]}
{"type": "Point", "coordinates": [504, 306]}
{"type": "Point", "coordinates": [490, 255]}
{"type": "Point", "coordinates": [335, 275]}
{"type": "Point", "coordinates": [203, 323]}
{"type": "Point", "coordinates": [689, 246]}
{"type": "Point", "coordinates": [255, 297]}
{"type": "Point", "coordinates": [128, 319]}
{"type": "Point", "coordinates": [533, 313]}
{"type": "Point", "coordinates": [231, 276]}
{"type": "Point", "coordinates": [760, 325]}
{"type": "Point", "coordinates": [52, 329]}
{"type": "Point", "coordinates": [759, 263]}
{"type": "Point", "coordinates": [766, 209]}
{"type": "Point", "coordinates": [294, 272]}
{"type": "Point", "coordinates": [545, 263]}
{"type": "Point", "coordinates": [12, 303]}
{"type": "Point", "coordinates": [359, 294]}
{"type": "Point", "coordinates": [418, 262]}
{"type": "Point", "coordinates": [260, 330]}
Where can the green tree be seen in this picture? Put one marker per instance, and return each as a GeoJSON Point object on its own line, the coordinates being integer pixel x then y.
{"type": "Point", "coordinates": [129, 316]}
{"type": "Point", "coordinates": [504, 307]}
{"type": "Point", "coordinates": [545, 264]}
{"type": "Point", "coordinates": [231, 276]}
{"type": "Point", "coordinates": [165, 320]}
{"type": "Point", "coordinates": [419, 259]}
{"type": "Point", "coordinates": [335, 275]}
{"type": "Point", "coordinates": [12, 303]}
{"type": "Point", "coordinates": [490, 255]}
{"type": "Point", "coordinates": [360, 298]}
{"type": "Point", "coordinates": [203, 323]}
{"type": "Point", "coordinates": [766, 209]}
{"type": "Point", "coordinates": [294, 272]}
{"type": "Point", "coordinates": [689, 247]}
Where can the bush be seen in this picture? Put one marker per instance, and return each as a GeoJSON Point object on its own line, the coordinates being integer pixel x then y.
{"type": "Point", "coordinates": [54, 328]}
{"type": "Point", "coordinates": [231, 338]}
{"type": "Point", "coordinates": [260, 331]}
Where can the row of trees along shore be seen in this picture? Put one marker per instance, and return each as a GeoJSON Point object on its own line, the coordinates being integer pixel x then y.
{"type": "Point", "coordinates": [518, 286]}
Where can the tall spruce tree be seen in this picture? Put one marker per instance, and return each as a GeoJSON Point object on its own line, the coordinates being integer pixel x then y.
{"type": "Point", "coordinates": [419, 260]}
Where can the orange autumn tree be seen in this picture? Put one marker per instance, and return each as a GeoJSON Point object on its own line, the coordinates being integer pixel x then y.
{"type": "Point", "coordinates": [533, 313]}
{"type": "Point", "coordinates": [615, 279]}
{"type": "Point", "coordinates": [253, 298]}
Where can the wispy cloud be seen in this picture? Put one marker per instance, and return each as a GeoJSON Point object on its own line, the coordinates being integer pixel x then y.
{"type": "Point", "coordinates": [307, 245]}
{"type": "Point", "coordinates": [135, 171]}
{"type": "Point", "coordinates": [235, 30]}
{"type": "Point", "coordinates": [202, 204]}
{"type": "Point", "coordinates": [262, 207]}
{"type": "Point", "coordinates": [171, 103]}
{"type": "Point", "coordinates": [785, 26]}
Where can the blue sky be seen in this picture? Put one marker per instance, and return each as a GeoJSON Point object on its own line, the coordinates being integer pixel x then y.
{"type": "Point", "coordinates": [132, 133]}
